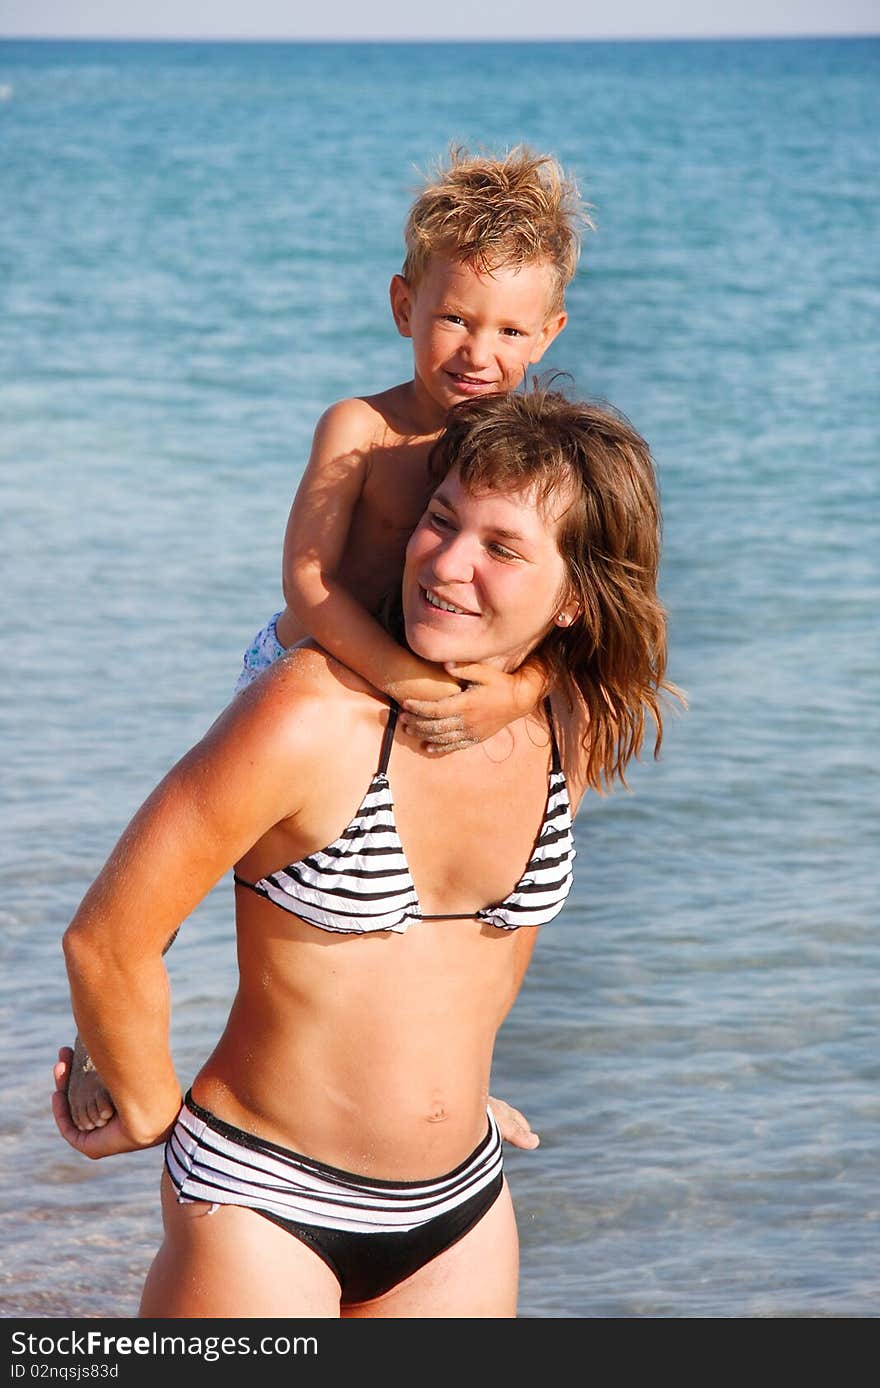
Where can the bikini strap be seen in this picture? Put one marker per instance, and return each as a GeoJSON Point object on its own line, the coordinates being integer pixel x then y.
{"type": "Point", "coordinates": [387, 740]}
{"type": "Point", "coordinates": [555, 761]}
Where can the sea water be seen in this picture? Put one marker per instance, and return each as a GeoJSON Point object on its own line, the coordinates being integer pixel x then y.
{"type": "Point", "coordinates": [195, 246]}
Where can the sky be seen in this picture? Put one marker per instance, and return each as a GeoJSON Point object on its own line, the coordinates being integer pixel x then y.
{"type": "Point", "coordinates": [453, 19]}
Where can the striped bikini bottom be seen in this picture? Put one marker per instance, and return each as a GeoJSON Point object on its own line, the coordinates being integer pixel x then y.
{"type": "Point", "coordinates": [372, 1234]}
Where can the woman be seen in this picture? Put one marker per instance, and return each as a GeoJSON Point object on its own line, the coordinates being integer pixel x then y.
{"type": "Point", "coordinates": [334, 1156]}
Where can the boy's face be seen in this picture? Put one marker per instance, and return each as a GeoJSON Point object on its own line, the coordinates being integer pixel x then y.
{"type": "Point", "coordinates": [474, 333]}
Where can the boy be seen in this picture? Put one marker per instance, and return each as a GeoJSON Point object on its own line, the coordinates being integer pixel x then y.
{"type": "Point", "coordinates": [491, 245]}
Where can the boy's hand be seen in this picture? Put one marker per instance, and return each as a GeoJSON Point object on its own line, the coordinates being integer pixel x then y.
{"type": "Point", "coordinates": [421, 682]}
{"type": "Point", "coordinates": [490, 700]}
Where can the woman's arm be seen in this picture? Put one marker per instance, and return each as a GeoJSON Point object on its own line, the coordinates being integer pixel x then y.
{"type": "Point", "coordinates": [218, 801]}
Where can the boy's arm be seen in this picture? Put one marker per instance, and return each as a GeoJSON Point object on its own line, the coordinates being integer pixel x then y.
{"type": "Point", "coordinates": [317, 532]}
{"type": "Point", "coordinates": [490, 700]}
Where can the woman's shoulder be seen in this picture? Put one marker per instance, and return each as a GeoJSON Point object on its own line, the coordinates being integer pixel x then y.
{"type": "Point", "coordinates": [280, 736]}
{"type": "Point", "coordinates": [305, 695]}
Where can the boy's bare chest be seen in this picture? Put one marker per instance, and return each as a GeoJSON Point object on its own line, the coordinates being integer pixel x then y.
{"type": "Point", "coordinates": [396, 488]}
{"type": "Point", "coordinates": [392, 500]}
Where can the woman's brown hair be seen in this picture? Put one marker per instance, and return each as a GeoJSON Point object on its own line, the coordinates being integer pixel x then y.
{"type": "Point", "coordinates": [588, 459]}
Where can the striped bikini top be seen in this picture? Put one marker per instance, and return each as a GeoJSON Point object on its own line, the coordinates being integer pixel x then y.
{"type": "Point", "coordinates": [361, 882]}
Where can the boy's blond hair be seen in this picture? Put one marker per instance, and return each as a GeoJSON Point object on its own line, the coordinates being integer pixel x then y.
{"type": "Point", "coordinates": [515, 210]}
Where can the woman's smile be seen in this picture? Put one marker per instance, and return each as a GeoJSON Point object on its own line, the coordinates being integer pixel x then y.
{"type": "Point", "coordinates": [441, 604]}
{"type": "Point", "coordinates": [483, 576]}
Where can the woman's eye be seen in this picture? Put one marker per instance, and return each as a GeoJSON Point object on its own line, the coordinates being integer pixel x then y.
{"type": "Point", "coordinates": [501, 553]}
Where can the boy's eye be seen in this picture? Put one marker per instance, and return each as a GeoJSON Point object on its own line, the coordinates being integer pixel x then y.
{"type": "Point", "coordinates": [512, 332]}
{"type": "Point", "coordinates": [452, 318]}
{"type": "Point", "coordinates": [439, 522]}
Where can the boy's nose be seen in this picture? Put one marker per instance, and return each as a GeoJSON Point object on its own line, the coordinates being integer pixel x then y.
{"type": "Point", "coordinates": [475, 350]}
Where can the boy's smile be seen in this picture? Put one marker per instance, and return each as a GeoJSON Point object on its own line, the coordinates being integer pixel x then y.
{"type": "Point", "coordinates": [474, 332]}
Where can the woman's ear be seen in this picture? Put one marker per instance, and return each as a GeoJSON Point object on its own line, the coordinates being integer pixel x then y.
{"type": "Point", "coordinates": [566, 614]}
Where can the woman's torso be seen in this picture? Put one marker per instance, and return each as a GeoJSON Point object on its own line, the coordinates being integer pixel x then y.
{"type": "Point", "coordinates": [371, 1051]}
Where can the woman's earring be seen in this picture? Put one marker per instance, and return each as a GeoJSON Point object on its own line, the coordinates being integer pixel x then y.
{"type": "Point", "coordinates": [564, 619]}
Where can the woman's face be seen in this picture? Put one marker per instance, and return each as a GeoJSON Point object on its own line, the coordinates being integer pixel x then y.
{"type": "Point", "coordinates": [484, 580]}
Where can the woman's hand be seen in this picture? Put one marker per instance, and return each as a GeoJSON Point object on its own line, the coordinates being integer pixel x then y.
{"type": "Point", "coordinates": [105, 1141]}
{"type": "Point", "coordinates": [513, 1125]}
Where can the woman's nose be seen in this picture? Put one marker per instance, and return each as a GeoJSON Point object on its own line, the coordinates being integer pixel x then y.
{"type": "Point", "coordinates": [452, 562]}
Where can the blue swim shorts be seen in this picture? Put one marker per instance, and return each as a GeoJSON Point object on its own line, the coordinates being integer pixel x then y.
{"type": "Point", "coordinates": [262, 652]}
